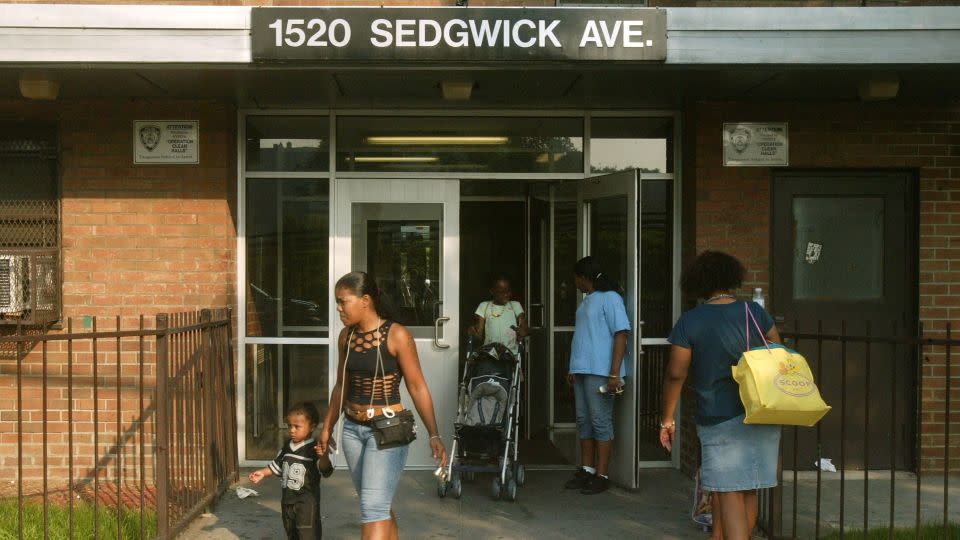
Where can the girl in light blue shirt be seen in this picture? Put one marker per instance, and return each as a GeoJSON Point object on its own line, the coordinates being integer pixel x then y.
{"type": "Point", "coordinates": [596, 361]}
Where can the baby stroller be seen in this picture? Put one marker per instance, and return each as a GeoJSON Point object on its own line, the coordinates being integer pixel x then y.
{"type": "Point", "coordinates": [485, 431]}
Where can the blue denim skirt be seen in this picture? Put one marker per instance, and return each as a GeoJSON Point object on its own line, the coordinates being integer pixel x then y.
{"type": "Point", "coordinates": [737, 456]}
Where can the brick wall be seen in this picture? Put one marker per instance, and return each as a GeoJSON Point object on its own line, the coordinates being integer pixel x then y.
{"type": "Point", "coordinates": [733, 205]}
{"type": "Point", "coordinates": [136, 240]}
{"type": "Point", "coordinates": [145, 239]}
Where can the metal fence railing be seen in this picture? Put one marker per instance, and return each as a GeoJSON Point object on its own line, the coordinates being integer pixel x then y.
{"type": "Point", "coordinates": [888, 436]}
{"type": "Point", "coordinates": [118, 433]}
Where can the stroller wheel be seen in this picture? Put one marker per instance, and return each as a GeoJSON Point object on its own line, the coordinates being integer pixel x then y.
{"type": "Point", "coordinates": [510, 490]}
{"type": "Point", "coordinates": [456, 485]}
{"type": "Point", "coordinates": [519, 474]}
{"type": "Point", "coordinates": [495, 489]}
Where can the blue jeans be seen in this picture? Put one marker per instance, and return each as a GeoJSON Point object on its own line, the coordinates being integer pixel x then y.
{"type": "Point", "coordinates": [594, 410]}
{"type": "Point", "coordinates": [375, 473]}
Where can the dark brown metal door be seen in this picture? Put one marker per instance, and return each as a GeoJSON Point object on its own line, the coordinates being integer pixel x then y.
{"type": "Point", "coordinates": [844, 256]}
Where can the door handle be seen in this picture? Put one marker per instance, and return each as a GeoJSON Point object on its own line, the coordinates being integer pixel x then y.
{"type": "Point", "coordinates": [436, 332]}
{"type": "Point", "coordinates": [542, 311]}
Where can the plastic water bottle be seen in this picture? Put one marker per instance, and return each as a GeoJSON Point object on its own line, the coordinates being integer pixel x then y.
{"type": "Point", "coordinates": [758, 297]}
{"type": "Point", "coordinates": [603, 390]}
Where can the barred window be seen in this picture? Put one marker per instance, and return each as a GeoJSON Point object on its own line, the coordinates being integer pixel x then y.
{"type": "Point", "coordinates": [30, 272]}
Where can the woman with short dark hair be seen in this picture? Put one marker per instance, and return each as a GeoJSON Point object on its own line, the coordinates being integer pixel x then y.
{"type": "Point", "coordinates": [736, 458]}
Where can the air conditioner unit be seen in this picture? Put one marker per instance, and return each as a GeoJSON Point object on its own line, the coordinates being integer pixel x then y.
{"type": "Point", "coordinates": [14, 285]}
{"type": "Point", "coordinates": [29, 286]}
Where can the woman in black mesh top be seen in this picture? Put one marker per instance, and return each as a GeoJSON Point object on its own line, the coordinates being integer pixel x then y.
{"type": "Point", "coordinates": [376, 354]}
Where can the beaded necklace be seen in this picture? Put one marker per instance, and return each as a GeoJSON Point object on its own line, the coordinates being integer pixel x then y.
{"type": "Point", "coordinates": [495, 314]}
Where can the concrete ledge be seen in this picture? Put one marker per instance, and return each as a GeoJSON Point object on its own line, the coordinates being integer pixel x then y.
{"type": "Point", "coordinates": [814, 36]}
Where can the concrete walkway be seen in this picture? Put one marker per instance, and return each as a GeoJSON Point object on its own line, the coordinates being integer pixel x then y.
{"type": "Point", "coordinates": [659, 509]}
{"type": "Point", "coordinates": [875, 502]}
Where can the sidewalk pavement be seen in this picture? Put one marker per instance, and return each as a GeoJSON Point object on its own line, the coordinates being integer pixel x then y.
{"type": "Point", "coordinates": [660, 509]}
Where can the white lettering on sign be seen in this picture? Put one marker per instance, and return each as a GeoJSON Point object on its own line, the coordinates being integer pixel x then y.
{"type": "Point", "coordinates": [377, 27]}
{"type": "Point", "coordinates": [463, 38]}
{"type": "Point", "coordinates": [516, 33]}
{"type": "Point", "coordinates": [524, 33]}
{"type": "Point", "coordinates": [547, 33]}
{"type": "Point", "coordinates": [341, 27]}
{"type": "Point", "coordinates": [484, 35]}
{"type": "Point", "coordinates": [590, 34]}
{"type": "Point", "coordinates": [404, 29]}
{"type": "Point", "coordinates": [623, 33]}
{"type": "Point", "coordinates": [632, 31]}
{"type": "Point", "coordinates": [338, 33]}
{"type": "Point", "coordinates": [491, 34]}
{"type": "Point", "coordinates": [435, 28]}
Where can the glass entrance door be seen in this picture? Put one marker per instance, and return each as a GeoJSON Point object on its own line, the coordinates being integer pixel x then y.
{"type": "Point", "coordinates": [286, 253]}
{"type": "Point", "coordinates": [405, 233]}
{"type": "Point", "coordinates": [607, 229]}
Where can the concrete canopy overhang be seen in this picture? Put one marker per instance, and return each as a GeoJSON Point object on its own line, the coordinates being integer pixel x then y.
{"type": "Point", "coordinates": [190, 52]}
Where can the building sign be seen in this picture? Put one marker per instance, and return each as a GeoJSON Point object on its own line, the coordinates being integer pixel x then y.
{"type": "Point", "coordinates": [458, 34]}
{"type": "Point", "coordinates": [166, 142]}
{"type": "Point", "coordinates": [755, 145]}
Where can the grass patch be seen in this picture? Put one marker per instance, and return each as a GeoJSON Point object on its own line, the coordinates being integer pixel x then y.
{"type": "Point", "coordinates": [930, 531]}
{"type": "Point", "coordinates": [58, 521]}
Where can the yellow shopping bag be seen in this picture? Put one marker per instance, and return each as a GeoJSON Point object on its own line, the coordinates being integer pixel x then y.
{"type": "Point", "coordinates": [777, 386]}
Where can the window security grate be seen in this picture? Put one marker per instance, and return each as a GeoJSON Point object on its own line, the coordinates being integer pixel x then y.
{"type": "Point", "coordinates": [30, 267]}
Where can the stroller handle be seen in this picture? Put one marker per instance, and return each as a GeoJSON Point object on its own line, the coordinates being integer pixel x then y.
{"type": "Point", "coordinates": [521, 342]}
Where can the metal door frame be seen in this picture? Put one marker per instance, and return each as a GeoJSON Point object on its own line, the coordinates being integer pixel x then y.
{"type": "Point", "coordinates": [332, 175]}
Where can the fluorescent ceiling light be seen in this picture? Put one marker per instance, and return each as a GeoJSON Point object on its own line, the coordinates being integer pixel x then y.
{"type": "Point", "coordinates": [396, 159]}
{"type": "Point", "coordinates": [39, 86]}
{"type": "Point", "coordinates": [435, 140]}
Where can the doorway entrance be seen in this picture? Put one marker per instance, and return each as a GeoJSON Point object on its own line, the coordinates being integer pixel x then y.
{"type": "Point", "coordinates": [844, 260]}
{"type": "Point", "coordinates": [532, 233]}
{"type": "Point", "coordinates": [432, 205]}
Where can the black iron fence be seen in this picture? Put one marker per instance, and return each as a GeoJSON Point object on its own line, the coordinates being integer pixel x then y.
{"type": "Point", "coordinates": [888, 437]}
{"type": "Point", "coordinates": [119, 433]}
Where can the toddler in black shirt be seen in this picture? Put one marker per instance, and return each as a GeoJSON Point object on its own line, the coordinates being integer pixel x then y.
{"type": "Point", "coordinates": [299, 467]}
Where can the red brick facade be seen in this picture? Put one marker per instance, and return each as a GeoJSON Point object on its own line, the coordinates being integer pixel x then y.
{"type": "Point", "coordinates": [137, 239]}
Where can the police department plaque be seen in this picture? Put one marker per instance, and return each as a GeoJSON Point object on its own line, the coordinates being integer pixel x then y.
{"type": "Point", "coordinates": [167, 142]}
{"type": "Point", "coordinates": [755, 144]}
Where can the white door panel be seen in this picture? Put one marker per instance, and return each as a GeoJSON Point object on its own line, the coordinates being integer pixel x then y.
{"type": "Point", "coordinates": [406, 233]}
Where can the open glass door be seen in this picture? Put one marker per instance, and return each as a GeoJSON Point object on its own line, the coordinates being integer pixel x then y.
{"type": "Point", "coordinates": [607, 229]}
{"type": "Point", "coordinates": [405, 233]}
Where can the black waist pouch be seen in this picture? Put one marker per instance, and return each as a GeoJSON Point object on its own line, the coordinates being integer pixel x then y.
{"type": "Point", "coordinates": [399, 430]}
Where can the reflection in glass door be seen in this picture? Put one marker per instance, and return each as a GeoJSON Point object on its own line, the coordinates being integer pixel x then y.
{"type": "Point", "coordinates": [401, 246]}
